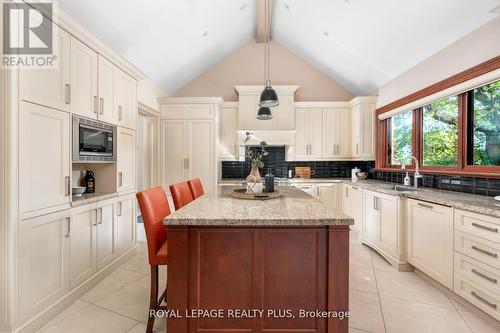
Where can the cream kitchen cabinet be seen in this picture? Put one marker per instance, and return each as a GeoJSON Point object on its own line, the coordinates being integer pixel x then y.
{"type": "Point", "coordinates": [352, 204]}
{"type": "Point", "coordinates": [382, 226]}
{"type": "Point", "coordinates": [43, 266]}
{"type": "Point", "coordinates": [363, 128]}
{"type": "Point", "coordinates": [84, 97]}
{"type": "Point", "coordinates": [308, 135]}
{"type": "Point", "coordinates": [82, 244]}
{"type": "Point", "coordinates": [329, 194]}
{"type": "Point", "coordinates": [283, 114]}
{"type": "Point", "coordinates": [336, 132]}
{"type": "Point", "coordinates": [430, 240]}
{"type": "Point", "coordinates": [106, 247]}
{"type": "Point", "coordinates": [44, 156]}
{"type": "Point", "coordinates": [106, 87]}
{"type": "Point", "coordinates": [228, 137]}
{"type": "Point", "coordinates": [125, 223]}
{"type": "Point", "coordinates": [125, 162]}
{"type": "Point", "coordinates": [125, 99]}
{"type": "Point", "coordinates": [50, 87]}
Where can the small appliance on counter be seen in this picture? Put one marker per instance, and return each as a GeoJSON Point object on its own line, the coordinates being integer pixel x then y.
{"type": "Point", "coordinates": [269, 182]}
{"type": "Point", "coordinates": [354, 176]}
{"type": "Point", "coordinates": [89, 182]}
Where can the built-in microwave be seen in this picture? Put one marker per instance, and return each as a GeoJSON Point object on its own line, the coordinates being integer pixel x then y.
{"type": "Point", "coordinates": [93, 141]}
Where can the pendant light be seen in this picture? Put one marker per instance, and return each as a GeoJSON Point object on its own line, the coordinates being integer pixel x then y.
{"type": "Point", "coordinates": [268, 97]}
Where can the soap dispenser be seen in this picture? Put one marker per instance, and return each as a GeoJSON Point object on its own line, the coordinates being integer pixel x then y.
{"type": "Point", "coordinates": [406, 180]}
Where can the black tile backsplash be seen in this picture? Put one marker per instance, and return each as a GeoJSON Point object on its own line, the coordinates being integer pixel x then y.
{"type": "Point", "coordinates": [340, 169]}
{"type": "Point", "coordinates": [279, 167]}
{"type": "Point", "coordinates": [473, 185]}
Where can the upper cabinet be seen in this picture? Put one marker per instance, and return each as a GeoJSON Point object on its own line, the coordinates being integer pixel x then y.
{"type": "Point", "coordinates": [283, 115]}
{"type": "Point", "coordinates": [83, 80]}
{"type": "Point", "coordinates": [107, 75]}
{"type": "Point", "coordinates": [337, 132]}
{"type": "Point", "coordinates": [125, 99]}
{"type": "Point", "coordinates": [308, 135]}
{"type": "Point", "coordinates": [228, 125]}
{"type": "Point", "coordinates": [50, 87]}
{"type": "Point", "coordinates": [363, 127]}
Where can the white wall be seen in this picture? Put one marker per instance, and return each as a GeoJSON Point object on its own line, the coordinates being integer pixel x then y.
{"type": "Point", "coordinates": [479, 46]}
{"type": "Point", "coordinates": [147, 92]}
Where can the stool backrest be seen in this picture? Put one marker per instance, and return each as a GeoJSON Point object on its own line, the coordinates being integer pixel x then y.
{"type": "Point", "coordinates": [181, 194]}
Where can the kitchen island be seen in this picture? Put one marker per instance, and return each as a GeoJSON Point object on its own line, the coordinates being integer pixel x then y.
{"type": "Point", "coordinates": [279, 265]}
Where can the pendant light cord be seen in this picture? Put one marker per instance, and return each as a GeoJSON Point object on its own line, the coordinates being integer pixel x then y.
{"type": "Point", "coordinates": [268, 53]}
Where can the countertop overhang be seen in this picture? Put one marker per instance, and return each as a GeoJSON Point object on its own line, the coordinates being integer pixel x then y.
{"type": "Point", "coordinates": [294, 208]}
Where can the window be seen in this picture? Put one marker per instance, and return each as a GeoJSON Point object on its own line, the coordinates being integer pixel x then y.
{"type": "Point", "coordinates": [400, 138]}
{"type": "Point", "coordinates": [440, 133]}
{"type": "Point", "coordinates": [484, 114]}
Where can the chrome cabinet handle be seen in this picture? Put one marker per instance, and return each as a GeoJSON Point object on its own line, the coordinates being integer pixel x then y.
{"type": "Point", "coordinates": [357, 148]}
{"type": "Point", "coordinates": [68, 227]}
{"type": "Point", "coordinates": [96, 104]}
{"type": "Point", "coordinates": [120, 116]}
{"type": "Point", "coordinates": [68, 94]}
{"type": "Point", "coordinates": [484, 276]}
{"type": "Point", "coordinates": [493, 255]}
{"type": "Point", "coordinates": [491, 305]}
{"type": "Point", "coordinates": [67, 185]}
{"type": "Point", "coordinates": [425, 206]}
{"type": "Point", "coordinates": [354, 188]}
{"type": "Point", "coordinates": [100, 216]}
{"type": "Point", "coordinates": [120, 178]}
{"type": "Point", "coordinates": [101, 105]}
{"type": "Point", "coordinates": [347, 192]}
{"type": "Point", "coordinates": [186, 163]}
{"type": "Point", "coordinates": [480, 226]}
{"type": "Point", "coordinates": [95, 223]}
{"type": "Point", "coordinates": [120, 210]}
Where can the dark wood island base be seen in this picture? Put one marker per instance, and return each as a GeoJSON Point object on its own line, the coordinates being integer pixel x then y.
{"type": "Point", "coordinates": [280, 270]}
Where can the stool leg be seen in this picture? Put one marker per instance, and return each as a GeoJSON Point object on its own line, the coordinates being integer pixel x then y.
{"type": "Point", "coordinates": [153, 300]}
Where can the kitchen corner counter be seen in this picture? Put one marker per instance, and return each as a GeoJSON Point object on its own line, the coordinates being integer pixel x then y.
{"type": "Point", "coordinates": [86, 199]}
{"type": "Point", "coordinates": [294, 208]}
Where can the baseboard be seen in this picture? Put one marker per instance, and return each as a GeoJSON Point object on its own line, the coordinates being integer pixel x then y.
{"type": "Point", "coordinates": [39, 320]}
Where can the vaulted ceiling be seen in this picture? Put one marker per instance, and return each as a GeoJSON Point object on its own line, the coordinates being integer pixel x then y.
{"type": "Point", "coordinates": [360, 43]}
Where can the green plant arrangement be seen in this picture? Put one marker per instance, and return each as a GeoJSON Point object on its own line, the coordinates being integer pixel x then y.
{"type": "Point", "coordinates": [255, 157]}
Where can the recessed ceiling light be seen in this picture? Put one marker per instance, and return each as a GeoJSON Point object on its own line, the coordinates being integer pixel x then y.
{"type": "Point", "coordinates": [243, 6]}
{"type": "Point", "coordinates": [287, 6]}
{"type": "Point", "coordinates": [326, 33]}
{"type": "Point", "coordinates": [205, 33]}
{"type": "Point", "coordinates": [496, 10]}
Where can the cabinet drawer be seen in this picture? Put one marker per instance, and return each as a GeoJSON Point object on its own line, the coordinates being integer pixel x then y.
{"type": "Point", "coordinates": [477, 295]}
{"type": "Point", "coordinates": [484, 226]}
{"type": "Point", "coordinates": [480, 249]}
{"type": "Point", "coordinates": [476, 271]}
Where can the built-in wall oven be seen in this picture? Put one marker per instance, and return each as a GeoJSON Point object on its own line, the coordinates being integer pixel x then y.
{"type": "Point", "coordinates": [93, 141]}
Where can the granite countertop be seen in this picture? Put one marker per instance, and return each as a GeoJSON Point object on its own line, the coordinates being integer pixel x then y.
{"type": "Point", "coordinates": [91, 198]}
{"type": "Point", "coordinates": [294, 208]}
{"type": "Point", "coordinates": [474, 203]}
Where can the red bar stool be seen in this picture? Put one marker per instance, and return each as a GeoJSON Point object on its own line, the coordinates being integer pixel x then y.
{"type": "Point", "coordinates": [181, 194]}
{"type": "Point", "coordinates": [196, 188]}
{"type": "Point", "coordinates": [154, 207]}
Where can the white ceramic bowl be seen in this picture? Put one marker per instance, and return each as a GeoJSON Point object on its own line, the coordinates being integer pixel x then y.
{"type": "Point", "coordinates": [78, 191]}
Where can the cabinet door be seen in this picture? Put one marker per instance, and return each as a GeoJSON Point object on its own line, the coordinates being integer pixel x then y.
{"type": "Point", "coordinates": [302, 133]}
{"type": "Point", "coordinates": [336, 132]}
{"type": "Point", "coordinates": [83, 80]}
{"type": "Point", "coordinates": [50, 87]}
{"type": "Point", "coordinates": [43, 257]}
{"type": "Point", "coordinates": [201, 153]}
{"type": "Point", "coordinates": [345, 199]}
{"type": "Point", "coordinates": [371, 218]}
{"type": "Point", "coordinates": [82, 244]}
{"type": "Point", "coordinates": [356, 209]}
{"type": "Point", "coordinates": [174, 143]}
{"type": "Point", "coordinates": [329, 195]}
{"type": "Point", "coordinates": [363, 131]}
{"type": "Point", "coordinates": [228, 147]}
{"type": "Point", "coordinates": [106, 88]}
{"type": "Point", "coordinates": [389, 231]}
{"type": "Point", "coordinates": [125, 99]}
{"type": "Point", "coordinates": [106, 247]}
{"type": "Point", "coordinates": [125, 161]}
{"type": "Point", "coordinates": [430, 240]}
{"type": "Point", "coordinates": [44, 157]}
{"type": "Point", "coordinates": [125, 224]}
{"type": "Point", "coordinates": [315, 133]}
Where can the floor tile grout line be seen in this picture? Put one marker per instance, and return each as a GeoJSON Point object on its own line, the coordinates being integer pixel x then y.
{"type": "Point", "coordinates": [65, 317]}
{"type": "Point", "coordinates": [120, 314]}
{"type": "Point", "coordinates": [378, 292]}
{"type": "Point", "coordinates": [458, 312]}
{"type": "Point", "coordinates": [358, 329]}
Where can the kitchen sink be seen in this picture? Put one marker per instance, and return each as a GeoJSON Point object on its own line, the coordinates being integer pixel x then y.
{"type": "Point", "coordinates": [401, 188]}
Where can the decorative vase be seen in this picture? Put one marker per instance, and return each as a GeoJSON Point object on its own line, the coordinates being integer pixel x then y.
{"type": "Point", "coordinates": [254, 172]}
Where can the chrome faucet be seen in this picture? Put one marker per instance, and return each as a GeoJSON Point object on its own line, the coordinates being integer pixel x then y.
{"type": "Point", "coordinates": [417, 174]}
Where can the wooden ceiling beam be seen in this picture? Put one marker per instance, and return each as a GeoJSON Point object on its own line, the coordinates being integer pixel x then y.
{"type": "Point", "coordinates": [264, 16]}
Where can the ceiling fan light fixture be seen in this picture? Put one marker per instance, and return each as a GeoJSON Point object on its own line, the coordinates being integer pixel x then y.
{"type": "Point", "coordinates": [264, 113]}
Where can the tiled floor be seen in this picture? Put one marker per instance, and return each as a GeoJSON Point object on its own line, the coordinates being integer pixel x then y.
{"type": "Point", "coordinates": [382, 300]}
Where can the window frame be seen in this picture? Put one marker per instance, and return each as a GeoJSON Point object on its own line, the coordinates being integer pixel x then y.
{"type": "Point", "coordinates": [465, 132]}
